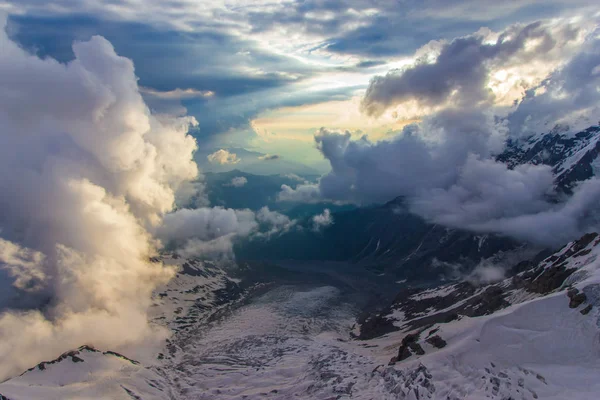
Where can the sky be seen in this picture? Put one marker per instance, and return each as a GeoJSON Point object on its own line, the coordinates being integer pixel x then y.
{"type": "Point", "coordinates": [266, 75]}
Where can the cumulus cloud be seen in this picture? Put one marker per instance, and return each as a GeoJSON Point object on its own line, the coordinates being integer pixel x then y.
{"type": "Point", "coordinates": [85, 172]}
{"type": "Point", "coordinates": [238, 181]}
{"type": "Point", "coordinates": [223, 157]}
{"type": "Point", "coordinates": [487, 190]}
{"type": "Point", "coordinates": [295, 177]}
{"type": "Point", "coordinates": [274, 221]}
{"type": "Point", "coordinates": [459, 72]}
{"type": "Point", "coordinates": [444, 165]}
{"type": "Point", "coordinates": [206, 232]}
{"type": "Point", "coordinates": [269, 157]}
{"type": "Point", "coordinates": [304, 193]}
{"type": "Point", "coordinates": [322, 220]}
{"type": "Point", "coordinates": [212, 232]}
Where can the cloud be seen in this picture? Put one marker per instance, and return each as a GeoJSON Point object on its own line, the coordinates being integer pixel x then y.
{"type": "Point", "coordinates": [486, 273]}
{"type": "Point", "coordinates": [487, 190]}
{"type": "Point", "coordinates": [238, 181]}
{"type": "Point", "coordinates": [206, 232]}
{"type": "Point", "coordinates": [223, 157]}
{"type": "Point", "coordinates": [212, 232]}
{"type": "Point", "coordinates": [460, 73]}
{"type": "Point", "coordinates": [569, 96]}
{"type": "Point", "coordinates": [303, 193]}
{"type": "Point", "coordinates": [321, 221]}
{"type": "Point", "coordinates": [85, 171]}
{"type": "Point", "coordinates": [295, 177]}
{"type": "Point", "coordinates": [269, 157]}
{"type": "Point", "coordinates": [177, 93]}
{"type": "Point", "coordinates": [275, 222]}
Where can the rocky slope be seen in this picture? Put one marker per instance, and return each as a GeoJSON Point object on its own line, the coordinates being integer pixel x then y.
{"type": "Point", "coordinates": [572, 156]}
{"type": "Point", "coordinates": [532, 335]}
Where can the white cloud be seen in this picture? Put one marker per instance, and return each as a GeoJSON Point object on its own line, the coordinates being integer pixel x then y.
{"type": "Point", "coordinates": [295, 177]}
{"type": "Point", "coordinates": [486, 273]}
{"type": "Point", "coordinates": [303, 193]}
{"type": "Point", "coordinates": [274, 221]}
{"type": "Point", "coordinates": [223, 157]}
{"type": "Point", "coordinates": [238, 181]}
{"type": "Point", "coordinates": [206, 232]}
{"type": "Point", "coordinates": [269, 157]}
{"type": "Point", "coordinates": [177, 94]}
{"type": "Point", "coordinates": [212, 232]}
{"type": "Point", "coordinates": [85, 171]}
{"type": "Point", "coordinates": [321, 221]}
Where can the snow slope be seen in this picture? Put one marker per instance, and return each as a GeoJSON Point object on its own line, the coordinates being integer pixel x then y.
{"type": "Point", "coordinates": [534, 335]}
{"type": "Point", "coordinates": [541, 341]}
{"type": "Point", "coordinates": [87, 373]}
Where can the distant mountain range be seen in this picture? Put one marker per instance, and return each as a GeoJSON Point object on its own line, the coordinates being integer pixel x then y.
{"type": "Point", "coordinates": [393, 240]}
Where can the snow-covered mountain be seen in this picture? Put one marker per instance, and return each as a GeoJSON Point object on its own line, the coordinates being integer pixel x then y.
{"type": "Point", "coordinates": [572, 156]}
{"type": "Point", "coordinates": [475, 316]}
{"type": "Point", "coordinates": [532, 335]}
{"type": "Point", "coordinates": [86, 373]}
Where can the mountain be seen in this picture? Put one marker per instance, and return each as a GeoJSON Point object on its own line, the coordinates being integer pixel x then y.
{"type": "Point", "coordinates": [388, 239]}
{"type": "Point", "coordinates": [379, 305]}
{"type": "Point", "coordinates": [531, 335]}
{"type": "Point", "coordinates": [572, 156]}
{"type": "Point", "coordinates": [86, 373]}
{"type": "Point", "coordinates": [273, 331]}
{"type": "Point", "coordinates": [391, 239]}
{"type": "Point", "coordinates": [260, 331]}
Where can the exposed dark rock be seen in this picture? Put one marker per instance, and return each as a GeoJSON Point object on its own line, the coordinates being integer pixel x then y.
{"type": "Point", "coordinates": [409, 346]}
{"type": "Point", "coordinates": [549, 280]}
{"type": "Point", "coordinates": [576, 298]}
{"type": "Point", "coordinates": [436, 341]}
{"type": "Point", "coordinates": [372, 326]}
{"type": "Point", "coordinates": [556, 149]}
{"type": "Point", "coordinates": [112, 353]}
{"type": "Point", "coordinates": [73, 355]}
{"type": "Point", "coordinates": [586, 310]}
{"type": "Point", "coordinates": [541, 275]}
{"type": "Point", "coordinates": [551, 273]}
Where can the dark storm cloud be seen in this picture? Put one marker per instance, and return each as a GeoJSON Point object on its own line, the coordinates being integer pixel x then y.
{"type": "Point", "coordinates": [165, 59]}
{"type": "Point", "coordinates": [462, 67]}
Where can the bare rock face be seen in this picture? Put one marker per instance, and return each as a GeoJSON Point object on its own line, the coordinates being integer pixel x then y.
{"type": "Point", "coordinates": [436, 341]}
{"type": "Point", "coordinates": [576, 298]}
{"type": "Point", "coordinates": [409, 347]}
